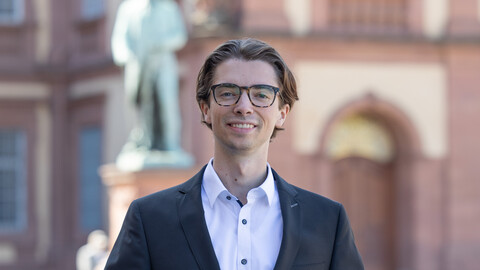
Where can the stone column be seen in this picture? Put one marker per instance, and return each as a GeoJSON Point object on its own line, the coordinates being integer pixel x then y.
{"type": "Point", "coordinates": [124, 187]}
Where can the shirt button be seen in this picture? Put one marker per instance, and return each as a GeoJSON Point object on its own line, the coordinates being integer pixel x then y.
{"type": "Point", "coordinates": [244, 221]}
{"type": "Point", "coordinates": [229, 198]}
{"type": "Point", "coordinates": [244, 261]}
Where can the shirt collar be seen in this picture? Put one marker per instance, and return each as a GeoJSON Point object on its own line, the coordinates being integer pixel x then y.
{"type": "Point", "coordinates": [268, 185]}
{"type": "Point", "coordinates": [213, 186]}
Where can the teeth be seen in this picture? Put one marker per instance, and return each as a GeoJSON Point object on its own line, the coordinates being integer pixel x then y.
{"type": "Point", "coordinates": [242, 125]}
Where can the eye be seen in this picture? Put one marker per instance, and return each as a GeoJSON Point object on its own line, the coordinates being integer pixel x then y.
{"type": "Point", "coordinates": [262, 93]}
{"type": "Point", "coordinates": [261, 96]}
{"type": "Point", "coordinates": [226, 92]}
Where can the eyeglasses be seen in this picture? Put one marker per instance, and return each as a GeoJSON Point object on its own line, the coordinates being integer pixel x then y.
{"type": "Point", "coordinates": [260, 95]}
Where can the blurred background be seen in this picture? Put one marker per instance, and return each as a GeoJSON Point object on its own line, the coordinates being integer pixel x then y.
{"type": "Point", "coordinates": [388, 120]}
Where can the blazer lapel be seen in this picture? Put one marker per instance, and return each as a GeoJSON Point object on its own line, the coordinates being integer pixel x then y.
{"type": "Point", "coordinates": [292, 219]}
{"type": "Point", "coordinates": [192, 219]}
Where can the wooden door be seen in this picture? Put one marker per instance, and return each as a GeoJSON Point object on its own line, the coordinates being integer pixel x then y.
{"type": "Point", "coordinates": [365, 188]}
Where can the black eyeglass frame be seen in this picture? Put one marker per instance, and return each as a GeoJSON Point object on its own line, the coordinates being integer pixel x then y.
{"type": "Point", "coordinates": [246, 88]}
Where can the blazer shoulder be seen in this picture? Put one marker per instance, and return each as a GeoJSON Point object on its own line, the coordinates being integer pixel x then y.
{"type": "Point", "coordinates": [306, 197]}
{"type": "Point", "coordinates": [311, 197]}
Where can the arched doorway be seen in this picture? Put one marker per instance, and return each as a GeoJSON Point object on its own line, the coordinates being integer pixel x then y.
{"type": "Point", "coordinates": [363, 152]}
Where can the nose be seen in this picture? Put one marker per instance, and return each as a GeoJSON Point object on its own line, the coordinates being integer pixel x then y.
{"type": "Point", "coordinates": [243, 106]}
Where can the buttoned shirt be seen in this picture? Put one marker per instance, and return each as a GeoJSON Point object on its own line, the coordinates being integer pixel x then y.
{"type": "Point", "coordinates": [243, 236]}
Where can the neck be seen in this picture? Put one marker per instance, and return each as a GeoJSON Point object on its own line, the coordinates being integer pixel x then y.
{"type": "Point", "coordinates": [240, 173]}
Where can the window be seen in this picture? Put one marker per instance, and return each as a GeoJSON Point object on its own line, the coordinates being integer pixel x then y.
{"type": "Point", "coordinates": [91, 188]}
{"type": "Point", "coordinates": [92, 9]}
{"type": "Point", "coordinates": [11, 12]}
{"type": "Point", "coordinates": [368, 15]}
{"type": "Point", "coordinates": [213, 15]}
{"type": "Point", "coordinates": [12, 180]}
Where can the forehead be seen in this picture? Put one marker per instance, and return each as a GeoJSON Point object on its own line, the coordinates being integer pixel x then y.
{"type": "Point", "coordinates": [245, 73]}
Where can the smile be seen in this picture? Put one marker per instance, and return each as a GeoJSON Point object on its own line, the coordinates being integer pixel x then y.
{"type": "Point", "coordinates": [242, 125]}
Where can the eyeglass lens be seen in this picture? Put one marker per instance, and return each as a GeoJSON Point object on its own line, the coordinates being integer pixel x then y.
{"type": "Point", "coordinates": [229, 94]}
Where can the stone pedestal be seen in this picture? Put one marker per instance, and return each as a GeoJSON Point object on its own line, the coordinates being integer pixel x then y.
{"type": "Point", "coordinates": [124, 187]}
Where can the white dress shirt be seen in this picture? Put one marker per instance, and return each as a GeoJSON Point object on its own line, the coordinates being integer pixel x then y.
{"type": "Point", "coordinates": [243, 237]}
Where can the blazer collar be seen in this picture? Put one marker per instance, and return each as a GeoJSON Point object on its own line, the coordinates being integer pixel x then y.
{"type": "Point", "coordinates": [292, 219]}
{"type": "Point", "coordinates": [192, 220]}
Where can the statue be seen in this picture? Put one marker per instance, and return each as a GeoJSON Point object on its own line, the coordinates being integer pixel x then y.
{"type": "Point", "coordinates": [145, 37]}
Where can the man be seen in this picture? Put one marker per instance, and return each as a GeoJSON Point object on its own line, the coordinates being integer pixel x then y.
{"type": "Point", "coordinates": [92, 255]}
{"type": "Point", "coordinates": [237, 212]}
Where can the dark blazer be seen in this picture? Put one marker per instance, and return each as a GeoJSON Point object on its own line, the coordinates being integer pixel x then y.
{"type": "Point", "coordinates": [167, 230]}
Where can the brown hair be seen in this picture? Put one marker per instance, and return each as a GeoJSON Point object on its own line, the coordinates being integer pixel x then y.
{"type": "Point", "coordinates": [247, 49]}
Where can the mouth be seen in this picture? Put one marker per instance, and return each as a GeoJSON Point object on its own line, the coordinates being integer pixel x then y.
{"type": "Point", "coordinates": [242, 125]}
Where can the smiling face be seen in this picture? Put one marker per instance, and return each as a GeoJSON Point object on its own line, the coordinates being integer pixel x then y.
{"type": "Point", "coordinates": [242, 126]}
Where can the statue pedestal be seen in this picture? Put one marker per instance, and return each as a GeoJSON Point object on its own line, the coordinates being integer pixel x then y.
{"type": "Point", "coordinates": [124, 187]}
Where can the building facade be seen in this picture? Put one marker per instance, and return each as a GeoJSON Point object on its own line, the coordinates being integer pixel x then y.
{"type": "Point", "coordinates": [387, 121]}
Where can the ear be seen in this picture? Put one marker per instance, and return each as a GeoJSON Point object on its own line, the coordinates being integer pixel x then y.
{"type": "Point", "coordinates": [205, 108]}
{"type": "Point", "coordinates": [283, 115]}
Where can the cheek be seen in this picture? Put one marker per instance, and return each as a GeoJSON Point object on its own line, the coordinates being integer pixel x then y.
{"type": "Point", "coordinates": [214, 119]}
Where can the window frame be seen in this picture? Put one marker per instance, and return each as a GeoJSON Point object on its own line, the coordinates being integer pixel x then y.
{"type": "Point", "coordinates": [87, 221]}
{"type": "Point", "coordinates": [91, 14]}
{"type": "Point", "coordinates": [20, 164]}
{"type": "Point", "coordinates": [17, 15]}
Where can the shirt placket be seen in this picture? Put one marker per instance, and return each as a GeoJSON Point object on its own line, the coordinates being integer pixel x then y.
{"type": "Point", "coordinates": [244, 258]}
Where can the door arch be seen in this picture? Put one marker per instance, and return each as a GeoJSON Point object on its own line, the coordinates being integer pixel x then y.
{"type": "Point", "coordinates": [362, 152]}
{"type": "Point", "coordinates": [374, 188]}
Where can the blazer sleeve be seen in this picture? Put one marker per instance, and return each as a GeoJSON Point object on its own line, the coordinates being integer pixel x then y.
{"type": "Point", "coordinates": [345, 254]}
{"type": "Point", "coordinates": [130, 250]}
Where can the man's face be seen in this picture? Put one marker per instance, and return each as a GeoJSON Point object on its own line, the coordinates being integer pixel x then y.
{"type": "Point", "coordinates": [242, 127]}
